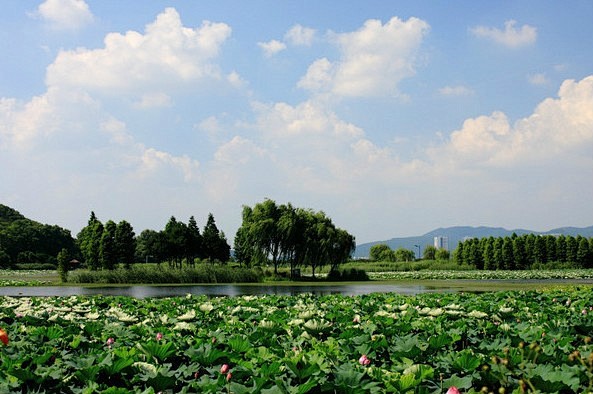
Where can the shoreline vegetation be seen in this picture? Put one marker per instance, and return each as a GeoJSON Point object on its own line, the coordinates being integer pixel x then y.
{"type": "Point", "coordinates": [275, 242]}
{"type": "Point", "coordinates": [153, 274]}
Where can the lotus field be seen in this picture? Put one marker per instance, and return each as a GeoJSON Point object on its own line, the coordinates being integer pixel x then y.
{"type": "Point", "coordinates": [490, 342]}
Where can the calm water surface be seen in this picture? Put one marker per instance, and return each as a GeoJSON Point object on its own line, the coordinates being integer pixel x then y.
{"type": "Point", "coordinates": [216, 290]}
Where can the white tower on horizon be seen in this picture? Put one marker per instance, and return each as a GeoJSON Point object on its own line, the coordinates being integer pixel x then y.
{"type": "Point", "coordinates": [441, 243]}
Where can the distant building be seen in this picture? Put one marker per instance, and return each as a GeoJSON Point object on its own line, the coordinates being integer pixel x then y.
{"type": "Point", "coordinates": [441, 243]}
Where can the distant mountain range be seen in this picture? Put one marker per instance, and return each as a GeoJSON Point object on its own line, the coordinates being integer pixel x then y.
{"type": "Point", "coordinates": [458, 233]}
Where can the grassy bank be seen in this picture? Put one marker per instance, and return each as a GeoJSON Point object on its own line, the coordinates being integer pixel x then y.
{"type": "Point", "coordinates": [206, 273]}
{"type": "Point", "coordinates": [28, 277]}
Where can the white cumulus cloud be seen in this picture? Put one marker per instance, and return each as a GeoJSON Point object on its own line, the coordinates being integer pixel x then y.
{"type": "Point", "coordinates": [154, 160]}
{"type": "Point", "coordinates": [166, 54]}
{"type": "Point", "coordinates": [373, 59]}
{"type": "Point", "coordinates": [559, 127]}
{"type": "Point", "coordinates": [272, 47]}
{"type": "Point", "coordinates": [65, 14]}
{"type": "Point", "coordinates": [511, 36]}
{"type": "Point", "coordinates": [300, 35]}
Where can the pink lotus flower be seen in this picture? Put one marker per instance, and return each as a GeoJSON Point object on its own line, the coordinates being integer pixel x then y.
{"type": "Point", "coordinates": [224, 369]}
{"type": "Point", "coordinates": [363, 360]}
{"type": "Point", "coordinates": [159, 336]}
{"type": "Point", "coordinates": [110, 341]}
{"type": "Point", "coordinates": [453, 390]}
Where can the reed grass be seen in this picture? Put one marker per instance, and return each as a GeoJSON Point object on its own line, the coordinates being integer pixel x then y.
{"type": "Point", "coordinates": [163, 274]}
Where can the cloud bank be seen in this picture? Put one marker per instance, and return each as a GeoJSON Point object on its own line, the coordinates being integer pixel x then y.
{"type": "Point", "coordinates": [70, 143]}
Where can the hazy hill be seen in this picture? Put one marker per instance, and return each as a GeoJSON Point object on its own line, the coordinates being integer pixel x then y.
{"type": "Point", "coordinates": [458, 233]}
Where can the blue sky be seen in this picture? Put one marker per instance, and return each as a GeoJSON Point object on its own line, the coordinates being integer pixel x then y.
{"type": "Point", "coordinates": [393, 117]}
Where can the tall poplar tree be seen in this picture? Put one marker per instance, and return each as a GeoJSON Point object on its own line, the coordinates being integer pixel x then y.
{"type": "Point", "coordinates": [194, 238]}
{"type": "Point", "coordinates": [107, 251]}
{"type": "Point", "coordinates": [214, 242]}
{"type": "Point", "coordinates": [125, 243]}
{"type": "Point", "coordinates": [89, 242]}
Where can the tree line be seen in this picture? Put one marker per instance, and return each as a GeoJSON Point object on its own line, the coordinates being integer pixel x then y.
{"type": "Point", "coordinates": [27, 244]}
{"type": "Point", "coordinates": [382, 252]}
{"type": "Point", "coordinates": [270, 234]}
{"type": "Point", "coordinates": [525, 252]}
{"type": "Point", "coordinates": [283, 235]}
{"type": "Point", "coordinates": [104, 246]}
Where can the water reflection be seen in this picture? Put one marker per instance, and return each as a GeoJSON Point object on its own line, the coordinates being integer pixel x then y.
{"type": "Point", "coordinates": [216, 290]}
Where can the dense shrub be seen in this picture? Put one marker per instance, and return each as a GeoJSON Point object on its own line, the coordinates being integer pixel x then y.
{"type": "Point", "coordinates": [202, 273]}
{"type": "Point", "coordinates": [348, 274]}
{"type": "Point", "coordinates": [422, 265]}
{"type": "Point", "coordinates": [5, 261]}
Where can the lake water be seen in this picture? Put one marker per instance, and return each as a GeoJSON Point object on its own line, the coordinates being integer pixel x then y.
{"type": "Point", "coordinates": [217, 290]}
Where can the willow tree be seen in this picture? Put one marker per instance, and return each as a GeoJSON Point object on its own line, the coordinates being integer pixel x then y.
{"type": "Point", "coordinates": [342, 246]}
{"type": "Point", "coordinates": [285, 235]}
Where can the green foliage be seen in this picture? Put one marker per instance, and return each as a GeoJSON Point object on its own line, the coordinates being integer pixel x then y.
{"type": "Point", "coordinates": [125, 243]}
{"type": "Point", "coordinates": [180, 241]}
{"type": "Point", "coordinates": [150, 246]}
{"type": "Point", "coordinates": [152, 273]}
{"type": "Point", "coordinates": [176, 237]}
{"type": "Point", "coordinates": [381, 252]}
{"type": "Point", "coordinates": [442, 254]}
{"type": "Point", "coordinates": [24, 241]}
{"type": "Point", "coordinates": [478, 275]}
{"type": "Point", "coordinates": [63, 264]}
{"type": "Point", "coordinates": [526, 251]}
{"type": "Point", "coordinates": [36, 266]}
{"type": "Point", "coordinates": [348, 274]}
{"type": "Point", "coordinates": [402, 254]}
{"type": "Point", "coordinates": [106, 246]}
{"type": "Point", "coordinates": [492, 342]}
{"type": "Point", "coordinates": [421, 265]}
{"type": "Point", "coordinates": [89, 242]}
{"type": "Point", "coordinates": [214, 243]}
{"type": "Point", "coordinates": [429, 253]}
{"type": "Point", "coordinates": [5, 260]}
{"type": "Point", "coordinates": [290, 236]}
{"type": "Point", "coordinates": [107, 252]}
